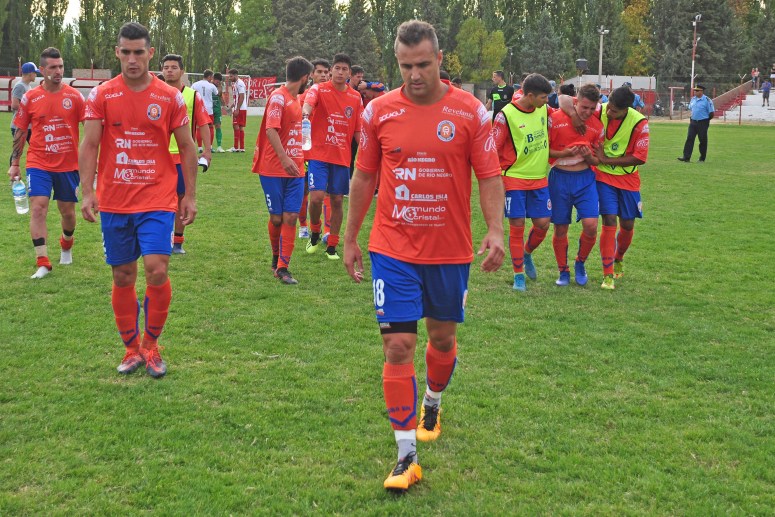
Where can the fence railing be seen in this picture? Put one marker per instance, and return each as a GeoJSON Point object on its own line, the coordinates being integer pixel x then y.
{"type": "Point", "coordinates": [733, 97]}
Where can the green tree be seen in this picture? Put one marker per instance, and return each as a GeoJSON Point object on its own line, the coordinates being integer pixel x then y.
{"type": "Point", "coordinates": [544, 50]}
{"type": "Point", "coordinates": [254, 40]}
{"type": "Point", "coordinates": [641, 54]}
{"type": "Point", "coordinates": [480, 52]}
{"type": "Point", "coordinates": [17, 35]}
{"type": "Point", "coordinates": [358, 39]}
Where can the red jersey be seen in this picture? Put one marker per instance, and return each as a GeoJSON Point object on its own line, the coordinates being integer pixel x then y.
{"type": "Point", "coordinates": [562, 134]}
{"type": "Point", "coordinates": [424, 155]}
{"type": "Point", "coordinates": [335, 119]}
{"type": "Point", "coordinates": [54, 117]}
{"type": "Point", "coordinates": [283, 113]}
{"type": "Point", "coordinates": [507, 153]}
{"type": "Point", "coordinates": [638, 147]}
{"type": "Point", "coordinates": [136, 172]}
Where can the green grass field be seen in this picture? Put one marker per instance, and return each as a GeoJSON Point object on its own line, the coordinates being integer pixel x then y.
{"type": "Point", "coordinates": [656, 398]}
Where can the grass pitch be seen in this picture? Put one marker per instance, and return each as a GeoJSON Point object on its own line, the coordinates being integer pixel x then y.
{"type": "Point", "coordinates": [655, 398]}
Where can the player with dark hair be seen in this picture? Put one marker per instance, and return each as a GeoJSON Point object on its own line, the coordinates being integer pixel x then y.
{"type": "Point", "coordinates": [207, 91]}
{"type": "Point", "coordinates": [624, 149]}
{"type": "Point", "coordinates": [279, 160]}
{"type": "Point", "coordinates": [54, 110]}
{"type": "Point", "coordinates": [421, 244]}
{"type": "Point", "coordinates": [572, 181]}
{"type": "Point", "coordinates": [217, 111]}
{"type": "Point", "coordinates": [335, 111]}
{"type": "Point", "coordinates": [239, 110]}
{"type": "Point", "coordinates": [521, 138]}
{"type": "Point", "coordinates": [129, 120]}
{"type": "Point", "coordinates": [173, 70]}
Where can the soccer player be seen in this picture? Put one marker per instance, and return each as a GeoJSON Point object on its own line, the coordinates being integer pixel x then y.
{"type": "Point", "coordinates": [335, 111]}
{"type": "Point", "coordinates": [624, 149]}
{"type": "Point", "coordinates": [239, 110]}
{"type": "Point", "coordinates": [129, 120]}
{"type": "Point", "coordinates": [173, 70]}
{"type": "Point", "coordinates": [207, 91]}
{"type": "Point", "coordinates": [29, 73]}
{"type": "Point", "coordinates": [320, 73]}
{"type": "Point", "coordinates": [500, 95]}
{"type": "Point", "coordinates": [521, 138]}
{"type": "Point", "coordinates": [217, 82]}
{"type": "Point", "coordinates": [420, 244]}
{"type": "Point", "coordinates": [54, 110]}
{"type": "Point", "coordinates": [572, 181]}
{"type": "Point", "coordinates": [280, 162]}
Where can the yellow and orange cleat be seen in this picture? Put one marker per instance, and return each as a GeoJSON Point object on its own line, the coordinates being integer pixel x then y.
{"type": "Point", "coordinates": [429, 425]}
{"type": "Point", "coordinates": [405, 474]}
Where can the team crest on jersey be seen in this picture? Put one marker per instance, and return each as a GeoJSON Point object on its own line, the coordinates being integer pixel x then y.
{"type": "Point", "coordinates": [445, 130]}
{"type": "Point", "coordinates": [154, 111]}
{"type": "Point", "coordinates": [615, 147]}
{"type": "Point", "coordinates": [67, 103]}
{"type": "Point", "coordinates": [348, 112]}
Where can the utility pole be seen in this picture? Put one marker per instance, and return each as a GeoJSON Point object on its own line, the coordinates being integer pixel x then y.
{"type": "Point", "coordinates": [695, 23]}
{"type": "Point", "coordinates": [602, 31]}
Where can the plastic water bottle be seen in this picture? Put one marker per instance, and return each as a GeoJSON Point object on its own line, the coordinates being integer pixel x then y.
{"type": "Point", "coordinates": [306, 134]}
{"type": "Point", "coordinates": [20, 198]}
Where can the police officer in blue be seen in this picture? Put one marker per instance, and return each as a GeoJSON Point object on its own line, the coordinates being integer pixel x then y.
{"type": "Point", "coordinates": [702, 112]}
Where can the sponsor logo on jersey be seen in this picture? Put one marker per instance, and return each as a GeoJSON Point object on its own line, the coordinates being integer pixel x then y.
{"type": "Point", "coordinates": [110, 95]}
{"type": "Point", "coordinates": [615, 147]}
{"type": "Point", "coordinates": [154, 112]}
{"type": "Point", "coordinates": [392, 114]}
{"type": "Point", "coordinates": [445, 131]}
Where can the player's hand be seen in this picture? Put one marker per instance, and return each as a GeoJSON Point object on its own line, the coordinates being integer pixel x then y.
{"type": "Point", "coordinates": [207, 154]}
{"type": "Point", "coordinates": [290, 167]}
{"type": "Point", "coordinates": [600, 154]}
{"type": "Point", "coordinates": [583, 151]}
{"type": "Point", "coordinates": [14, 172]}
{"type": "Point", "coordinates": [494, 259]}
{"type": "Point", "coordinates": [188, 210]}
{"type": "Point", "coordinates": [353, 261]}
{"type": "Point", "coordinates": [89, 206]}
{"type": "Point", "coordinates": [578, 124]}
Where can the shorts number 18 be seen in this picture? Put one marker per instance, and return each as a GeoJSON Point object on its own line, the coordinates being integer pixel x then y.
{"type": "Point", "coordinates": [379, 292]}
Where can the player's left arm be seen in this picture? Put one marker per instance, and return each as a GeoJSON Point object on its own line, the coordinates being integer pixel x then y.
{"type": "Point", "coordinates": [188, 163]}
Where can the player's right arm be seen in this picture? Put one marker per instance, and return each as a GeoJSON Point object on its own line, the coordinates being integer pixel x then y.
{"type": "Point", "coordinates": [87, 167]}
{"type": "Point", "coordinates": [19, 137]}
{"type": "Point", "coordinates": [277, 146]}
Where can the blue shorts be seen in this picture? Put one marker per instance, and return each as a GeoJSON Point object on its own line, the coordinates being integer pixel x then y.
{"type": "Point", "coordinates": [528, 203]}
{"type": "Point", "coordinates": [283, 194]}
{"type": "Point", "coordinates": [181, 182]}
{"type": "Point", "coordinates": [409, 292]}
{"type": "Point", "coordinates": [569, 189]}
{"type": "Point", "coordinates": [64, 184]}
{"type": "Point", "coordinates": [334, 179]}
{"type": "Point", "coordinates": [615, 201]}
{"type": "Point", "coordinates": [126, 237]}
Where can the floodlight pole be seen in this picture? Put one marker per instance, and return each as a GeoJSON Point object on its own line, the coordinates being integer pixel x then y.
{"type": "Point", "coordinates": [602, 31]}
{"type": "Point", "coordinates": [696, 22]}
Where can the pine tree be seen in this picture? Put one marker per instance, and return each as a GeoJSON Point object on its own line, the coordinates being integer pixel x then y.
{"type": "Point", "coordinates": [358, 39]}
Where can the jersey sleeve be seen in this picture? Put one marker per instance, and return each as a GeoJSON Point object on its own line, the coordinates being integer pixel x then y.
{"type": "Point", "coordinates": [502, 138]}
{"type": "Point", "coordinates": [312, 96]}
{"type": "Point", "coordinates": [484, 157]}
{"type": "Point", "coordinates": [369, 150]}
{"type": "Point", "coordinates": [639, 148]}
{"type": "Point", "coordinates": [200, 116]}
{"type": "Point", "coordinates": [179, 115]}
{"type": "Point", "coordinates": [22, 117]}
{"type": "Point", "coordinates": [80, 105]}
{"type": "Point", "coordinates": [241, 88]}
{"type": "Point", "coordinates": [274, 111]}
{"type": "Point", "coordinates": [95, 105]}
{"type": "Point", "coordinates": [359, 117]}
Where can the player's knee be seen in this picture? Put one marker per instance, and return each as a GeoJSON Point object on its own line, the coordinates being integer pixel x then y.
{"type": "Point", "coordinates": [38, 210]}
{"type": "Point", "coordinates": [588, 226]}
{"type": "Point", "coordinates": [275, 219]}
{"type": "Point", "coordinates": [399, 346]}
{"type": "Point", "coordinates": [336, 201]}
{"type": "Point", "coordinates": [290, 218]}
{"type": "Point", "coordinates": [560, 230]}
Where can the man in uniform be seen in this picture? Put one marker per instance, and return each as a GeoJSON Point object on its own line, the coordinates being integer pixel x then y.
{"type": "Point", "coordinates": [54, 110]}
{"type": "Point", "coordinates": [423, 139]}
{"type": "Point", "coordinates": [702, 113]}
{"type": "Point", "coordinates": [129, 120]}
{"type": "Point", "coordinates": [500, 94]}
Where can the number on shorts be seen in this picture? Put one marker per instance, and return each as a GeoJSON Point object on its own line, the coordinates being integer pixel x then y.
{"type": "Point", "coordinates": [508, 204]}
{"type": "Point", "coordinates": [379, 292]}
{"type": "Point", "coordinates": [268, 202]}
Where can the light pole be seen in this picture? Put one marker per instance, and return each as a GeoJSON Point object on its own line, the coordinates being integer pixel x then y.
{"type": "Point", "coordinates": [696, 22]}
{"type": "Point", "coordinates": [602, 31]}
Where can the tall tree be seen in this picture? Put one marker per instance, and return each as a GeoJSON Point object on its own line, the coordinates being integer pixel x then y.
{"type": "Point", "coordinates": [17, 35]}
{"type": "Point", "coordinates": [545, 50]}
{"type": "Point", "coordinates": [358, 39]}
{"type": "Point", "coordinates": [480, 51]}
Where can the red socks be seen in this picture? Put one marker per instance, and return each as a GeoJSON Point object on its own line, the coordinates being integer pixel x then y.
{"type": "Point", "coordinates": [156, 306]}
{"type": "Point", "coordinates": [327, 213]}
{"type": "Point", "coordinates": [399, 384]}
{"type": "Point", "coordinates": [303, 211]}
{"type": "Point", "coordinates": [333, 240]}
{"type": "Point", "coordinates": [535, 238]}
{"type": "Point", "coordinates": [242, 139]}
{"type": "Point", "coordinates": [516, 247]}
{"type": "Point", "coordinates": [608, 248]}
{"type": "Point", "coordinates": [66, 244]}
{"type": "Point", "coordinates": [585, 246]}
{"type": "Point", "coordinates": [44, 262]}
{"type": "Point", "coordinates": [623, 241]}
{"type": "Point", "coordinates": [560, 245]}
{"type": "Point", "coordinates": [315, 228]}
{"type": "Point", "coordinates": [274, 237]}
{"type": "Point", "coordinates": [287, 239]}
{"type": "Point", "coordinates": [126, 311]}
{"type": "Point", "coordinates": [440, 366]}
{"type": "Point", "coordinates": [178, 238]}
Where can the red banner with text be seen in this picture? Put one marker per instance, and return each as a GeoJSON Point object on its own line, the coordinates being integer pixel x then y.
{"type": "Point", "coordinates": [261, 87]}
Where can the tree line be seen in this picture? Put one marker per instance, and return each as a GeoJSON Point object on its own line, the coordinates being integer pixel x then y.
{"type": "Point", "coordinates": [647, 37]}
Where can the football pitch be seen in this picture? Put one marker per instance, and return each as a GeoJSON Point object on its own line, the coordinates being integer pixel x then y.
{"type": "Point", "coordinates": [653, 399]}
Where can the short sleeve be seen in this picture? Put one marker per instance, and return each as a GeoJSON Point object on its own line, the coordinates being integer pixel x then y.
{"type": "Point", "coordinates": [201, 116]}
{"type": "Point", "coordinates": [312, 96]}
{"type": "Point", "coordinates": [484, 157]}
{"type": "Point", "coordinates": [369, 150]}
{"type": "Point", "coordinates": [179, 113]}
{"type": "Point", "coordinates": [22, 117]}
{"type": "Point", "coordinates": [274, 111]}
{"type": "Point", "coordinates": [95, 105]}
